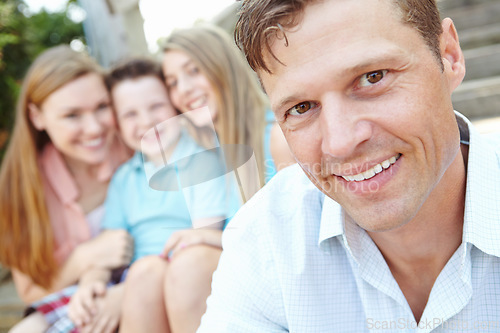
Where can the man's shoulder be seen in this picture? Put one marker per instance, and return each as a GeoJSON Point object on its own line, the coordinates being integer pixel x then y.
{"type": "Point", "coordinates": [494, 140]}
{"type": "Point", "coordinates": [276, 216]}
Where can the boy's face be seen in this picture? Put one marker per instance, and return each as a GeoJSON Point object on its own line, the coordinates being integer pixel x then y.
{"type": "Point", "coordinates": [141, 104]}
{"type": "Point", "coordinates": [365, 108]}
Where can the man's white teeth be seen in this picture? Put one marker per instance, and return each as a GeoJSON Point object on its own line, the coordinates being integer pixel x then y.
{"type": "Point", "coordinates": [92, 143]}
{"type": "Point", "coordinates": [373, 171]}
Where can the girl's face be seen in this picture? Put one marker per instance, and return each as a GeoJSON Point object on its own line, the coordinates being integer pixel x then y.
{"type": "Point", "coordinates": [188, 87]}
{"type": "Point", "coordinates": [78, 119]}
{"type": "Point", "coordinates": [141, 104]}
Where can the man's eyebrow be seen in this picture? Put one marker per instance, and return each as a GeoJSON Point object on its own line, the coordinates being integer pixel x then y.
{"type": "Point", "coordinates": [376, 61]}
{"type": "Point", "coordinates": [283, 102]}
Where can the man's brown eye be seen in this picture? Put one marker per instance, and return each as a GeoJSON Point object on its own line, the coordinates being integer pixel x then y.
{"type": "Point", "coordinates": [372, 77]}
{"type": "Point", "coordinates": [301, 108]}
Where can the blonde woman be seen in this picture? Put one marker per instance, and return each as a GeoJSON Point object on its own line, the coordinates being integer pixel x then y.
{"type": "Point", "coordinates": [54, 177]}
{"type": "Point", "coordinates": [202, 68]}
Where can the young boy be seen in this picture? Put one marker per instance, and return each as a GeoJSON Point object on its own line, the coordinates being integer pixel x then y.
{"type": "Point", "coordinates": [147, 125]}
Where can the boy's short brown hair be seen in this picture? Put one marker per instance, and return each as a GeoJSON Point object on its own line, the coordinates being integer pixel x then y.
{"type": "Point", "coordinates": [133, 69]}
{"type": "Point", "coordinates": [262, 20]}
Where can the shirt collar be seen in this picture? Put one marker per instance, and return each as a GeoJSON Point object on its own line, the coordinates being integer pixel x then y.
{"type": "Point", "coordinates": [136, 162]}
{"type": "Point", "coordinates": [62, 181]}
{"type": "Point", "coordinates": [482, 212]}
{"type": "Point", "coordinates": [331, 221]}
{"type": "Point", "coordinates": [57, 174]}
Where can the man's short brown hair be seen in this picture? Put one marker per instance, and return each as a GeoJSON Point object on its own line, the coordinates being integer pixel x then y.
{"type": "Point", "coordinates": [262, 20]}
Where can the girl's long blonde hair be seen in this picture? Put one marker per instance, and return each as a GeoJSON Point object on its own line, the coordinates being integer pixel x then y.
{"type": "Point", "coordinates": [26, 236]}
{"type": "Point", "coordinates": [241, 103]}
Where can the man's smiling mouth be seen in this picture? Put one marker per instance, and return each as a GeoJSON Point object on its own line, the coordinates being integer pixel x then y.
{"type": "Point", "coordinates": [370, 173]}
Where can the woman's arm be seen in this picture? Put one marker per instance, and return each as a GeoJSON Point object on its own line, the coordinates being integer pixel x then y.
{"type": "Point", "coordinates": [69, 274]}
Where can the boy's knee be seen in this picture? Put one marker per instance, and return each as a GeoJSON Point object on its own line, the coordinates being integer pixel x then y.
{"type": "Point", "coordinates": [146, 269]}
{"type": "Point", "coordinates": [198, 261]}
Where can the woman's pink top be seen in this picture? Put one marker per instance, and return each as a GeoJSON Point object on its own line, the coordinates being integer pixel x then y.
{"type": "Point", "coordinates": [69, 223]}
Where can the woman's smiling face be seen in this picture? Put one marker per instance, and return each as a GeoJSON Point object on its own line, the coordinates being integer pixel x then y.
{"type": "Point", "coordinates": [78, 119]}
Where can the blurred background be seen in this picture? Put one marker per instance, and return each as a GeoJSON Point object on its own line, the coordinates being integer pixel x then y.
{"type": "Point", "coordinates": [108, 29]}
{"type": "Point", "coordinates": [112, 29]}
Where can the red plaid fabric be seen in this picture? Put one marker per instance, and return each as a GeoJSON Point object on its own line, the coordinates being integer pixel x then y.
{"type": "Point", "coordinates": [54, 308]}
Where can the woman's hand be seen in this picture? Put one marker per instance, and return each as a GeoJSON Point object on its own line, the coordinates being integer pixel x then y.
{"type": "Point", "coordinates": [184, 238]}
{"type": "Point", "coordinates": [108, 312]}
{"type": "Point", "coordinates": [110, 249]}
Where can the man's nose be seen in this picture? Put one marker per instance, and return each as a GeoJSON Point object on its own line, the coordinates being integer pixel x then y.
{"type": "Point", "coordinates": [343, 128]}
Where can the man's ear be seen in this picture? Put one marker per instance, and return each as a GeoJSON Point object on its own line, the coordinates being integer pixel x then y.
{"type": "Point", "coordinates": [35, 116]}
{"type": "Point", "coordinates": [451, 54]}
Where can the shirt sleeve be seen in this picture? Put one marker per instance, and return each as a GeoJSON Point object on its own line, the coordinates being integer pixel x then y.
{"type": "Point", "coordinates": [245, 295]}
{"type": "Point", "coordinates": [114, 216]}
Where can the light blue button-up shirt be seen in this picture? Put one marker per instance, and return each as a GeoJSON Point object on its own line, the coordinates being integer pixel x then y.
{"type": "Point", "coordinates": [292, 264]}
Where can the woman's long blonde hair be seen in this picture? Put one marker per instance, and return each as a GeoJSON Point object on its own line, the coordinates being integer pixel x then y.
{"type": "Point", "coordinates": [241, 103]}
{"type": "Point", "coordinates": [26, 235]}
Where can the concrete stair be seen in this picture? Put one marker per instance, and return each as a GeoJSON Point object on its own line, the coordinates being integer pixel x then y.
{"type": "Point", "coordinates": [478, 25]}
{"type": "Point", "coordinates": [11, 307]}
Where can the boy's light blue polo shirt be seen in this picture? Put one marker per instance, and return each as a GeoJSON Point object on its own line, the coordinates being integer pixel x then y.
{"type": "Point", "coordinates": [151, 216]}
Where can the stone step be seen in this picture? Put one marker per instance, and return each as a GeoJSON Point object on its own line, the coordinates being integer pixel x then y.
{"type": "Point", "coordinates": [482, 62]}
{"type": "Point", "coordinates": [11, 307]}
{"type": "Point", "coordinates": [487, 125]}
{"type": "Point", "coordinates": [480, 36]}
{"type": "Point", "coordinates": [478, 98]}
{"type": "Point", "coordinates": [4, 272]}
{"type": "Point", "coordinates": [476, 15]}
{"type": "Point", "coordinates": [450, 4]}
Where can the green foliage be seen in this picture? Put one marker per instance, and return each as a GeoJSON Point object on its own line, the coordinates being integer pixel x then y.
{"type": "Point", "coordinates": [22, 38]}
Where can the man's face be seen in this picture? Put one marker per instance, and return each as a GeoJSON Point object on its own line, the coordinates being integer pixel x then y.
{"type": "Point", "coordinates": [365, 108]}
